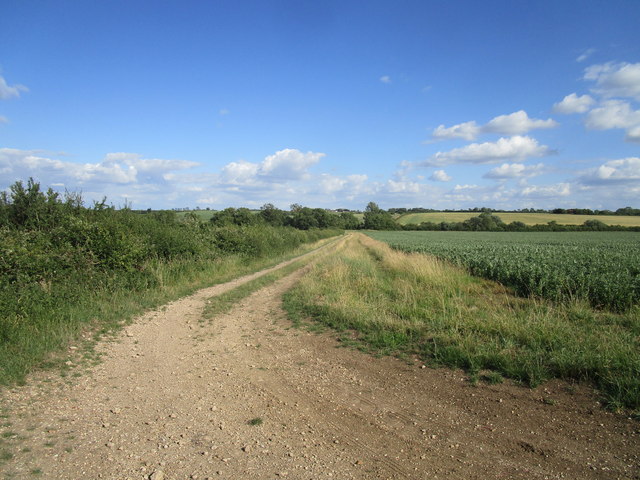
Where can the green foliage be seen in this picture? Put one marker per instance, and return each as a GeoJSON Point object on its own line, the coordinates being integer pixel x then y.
{"type": "Point", "coordinates": [272, 215]}
{"type": "Point", "coordinates": [601, 268]}
{"type": "Point", "coordinates": [349, 221]}
{"type": "Point", "coordinates": [377, 219]}
{"type": "Point", "coordinates": [235, 216]}
{"type": "Point", "coordinates": [59, 258]}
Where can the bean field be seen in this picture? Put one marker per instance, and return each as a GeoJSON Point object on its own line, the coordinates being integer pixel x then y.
{"type": "Point", "coordinates": [600, 267]}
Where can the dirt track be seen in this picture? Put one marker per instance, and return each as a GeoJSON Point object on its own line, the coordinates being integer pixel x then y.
{"type": "Point", "coordinates": [173, 399]}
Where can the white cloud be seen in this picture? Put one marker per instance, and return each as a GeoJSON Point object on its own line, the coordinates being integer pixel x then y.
{"type": "Point", "coordinates": [466, 131]}
{"type": "Point", "coordinates": [440, 176]}
{"type": "Point", "coordinates": [626, 170]}
{"type": "Point", "coordinates": [146, 165]}
{"type": "Point", "coordinates": [7, 91]}
{"type": "Point", "coordinates": [633, 134]}
{"type": "Point", "coordinates": [586, 54]}
{"type": "Point", "coordinates": [289, 164]}
{"type": "Point", "coordinates": [547, 191]}
{"type": "Point", "coordinates": [515, 170]}
{"type": "Point", "coordinates": [403, 186]}
{"type": "Point", "coordinates": [331, 184]}
{"type": "Point", "coordinates": [385, 79]}
{"type": "Point", "coordinates": [241, 172]}
{"type": "Point", "coordinates": [516, 123]}
{"type": "Point", "coordinates": [223, 111]}
{"type": "Point", "coordinates": [615, 79]}
{"type": "Point", "coordinates": [4, 119]}
{"type": "Point", "coordinates": [612, 114]}
{"type": "Point", "coordinates": [514, 149]}
{"type": "Point", "coordinates": [117, 168]}
{"type": "Point", "coordinates": [573, 104]}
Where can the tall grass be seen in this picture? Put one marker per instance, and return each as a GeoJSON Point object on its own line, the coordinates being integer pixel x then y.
{"type": "Point", "coordinates": [399, 302]}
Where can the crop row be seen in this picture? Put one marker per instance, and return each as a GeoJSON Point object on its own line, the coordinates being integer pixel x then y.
{"type": "Point", "coordinates": [603, 268]}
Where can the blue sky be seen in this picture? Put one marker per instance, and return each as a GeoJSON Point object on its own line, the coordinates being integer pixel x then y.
{"type": "Point", "coordinates": [440, 104]}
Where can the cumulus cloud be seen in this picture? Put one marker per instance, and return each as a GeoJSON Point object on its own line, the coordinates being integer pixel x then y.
{"type": "Point", "coordinates": [516, 123]}
{"type": "Point", "coordinates": [283, 166]}
{"type": "Point", "coordinates": [289, 163]}
{"type": "Point", "coordinates": [330, 184]}
{"type": "Point", "coordinates": [547, 191]}
{"type": "Point", "coordinates": [385, 79]}
{"type": "Point", "coordinates": [615, 79]}
{"type": "Point", "coordinates": [146, 165]}
{"type": "Point", "coordinates": [633, 134]}
{"type": "Point", "coordinates": [403, 186]}
{"type": "Point", "coordinates": [626, 170]}
{"type": "Point", "coordinates": [7, 91]}
{"type": "Point", "coordinates": [573, 103]}
{"type": "Point", "coordinates": [440, 176]}
{"type": "Point", "coordinates": [240, 173]}
{"type": "Point", "coordinates": [117, 168]}
{"type": "Point", "coordinates": [515, 170]}
{"type": "Point", "coordinates": [466, 131]}
{"type": "Point", "coordinates": [514, 149]}
{"type": "Point", "coordinates": [615, 114]}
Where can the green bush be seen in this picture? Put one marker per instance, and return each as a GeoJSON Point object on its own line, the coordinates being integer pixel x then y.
{"type": "Point", "coordinates": [57, 256]}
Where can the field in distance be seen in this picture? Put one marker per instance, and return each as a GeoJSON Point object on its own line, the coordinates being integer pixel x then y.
{"type": "Point", "coordinates": [526, 218]}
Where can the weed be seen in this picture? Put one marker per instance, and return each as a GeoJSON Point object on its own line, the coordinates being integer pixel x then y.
{"type": "Point", "coordinates": [255, 421]}
{"type": "Point", "coordinates": [493, 378]}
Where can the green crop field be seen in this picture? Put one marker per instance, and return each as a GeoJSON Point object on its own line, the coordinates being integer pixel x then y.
{"type": "Point", "coordinates": [602, 268]}
{"type": "Point", "coordinates": [526, 218]}
{"type": "Point", "coordinates": [204, 215]}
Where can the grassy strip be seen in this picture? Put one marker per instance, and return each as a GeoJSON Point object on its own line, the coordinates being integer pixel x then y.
{"type": "Point", "coordinates": [224, 302]}
{"type": "Point", "coordinates": [399, 303]}
{"type": "Point", "coordinates": [83, 315]}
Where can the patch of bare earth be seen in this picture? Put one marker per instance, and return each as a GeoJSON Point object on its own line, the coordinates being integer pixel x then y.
{"type": "Point", "coordinates": [174, 398]}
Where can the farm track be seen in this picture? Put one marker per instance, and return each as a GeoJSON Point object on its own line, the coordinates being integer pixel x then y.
{"type": "Point", "coordinates": [175, 394]}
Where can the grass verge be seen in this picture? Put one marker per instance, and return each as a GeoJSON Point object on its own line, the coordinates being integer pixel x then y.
{"type": "Point", "coordinates": [399, 303]}
{"type": "Point", "coordinates": [84, 315]}
{"type": "Point", "coordinates": [224, 302]}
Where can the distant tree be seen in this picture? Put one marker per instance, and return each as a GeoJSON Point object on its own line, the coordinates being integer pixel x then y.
{"type": "Point", "coordinates": [595, 225]}
{"type": "Point", "coordinates": [349, 221]}
{"type": "Point", "coordinates": [272, 215]}
{"type": "Point", "coordinates": [376, 218]}
{"type": "Point", "coordinates": [517, 227]}
{"type": "Point", "coordinates": [303, 218]}
{"type": "Point", "coordinates": [234, 216]}
{"type": "Point", "coordinates": [485, 222]}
